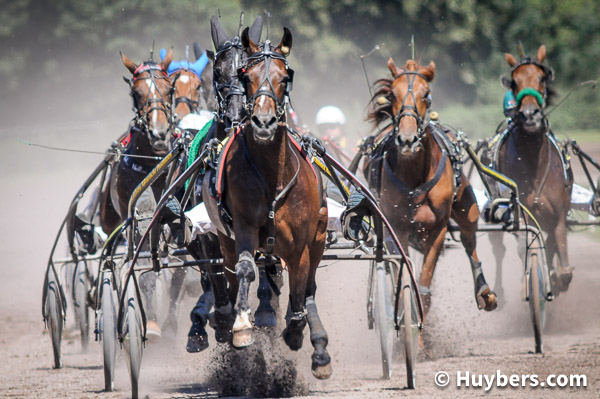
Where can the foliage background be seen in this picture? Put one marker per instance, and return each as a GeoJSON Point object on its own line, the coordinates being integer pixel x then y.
{"type": "Point", "coordinates": [60, 63]}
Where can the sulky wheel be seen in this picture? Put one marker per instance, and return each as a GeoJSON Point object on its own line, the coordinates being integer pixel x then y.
{"type": "Point", "coordinates": [537, 301]}
{"type": "Point", "coordinates": [384, 313]}
{"type": "Point", "coordinates": [108, 330]}
{"type": "Point", "coordinates": [410, 325]}
{"type": "Point", "coordinates": [54, 312]}
{"type": "Point", "coordinates": [81, 287]}
{"type": "Point", "coordinates": [133, 338]}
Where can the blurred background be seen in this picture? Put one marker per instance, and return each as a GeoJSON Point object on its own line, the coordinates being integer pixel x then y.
{"type": "Point", "coordinates": [60, 70]}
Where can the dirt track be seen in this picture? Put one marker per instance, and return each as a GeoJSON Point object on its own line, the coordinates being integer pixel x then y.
{"type": "Point", "coordinates": [37, 187]}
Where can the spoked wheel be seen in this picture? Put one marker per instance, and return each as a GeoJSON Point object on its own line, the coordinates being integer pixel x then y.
{"type": "Point", "coordinates": [384, 313]}
{"type": "Point", "coordinates": [537, 301]}
{"type": "Point", "coordinates": [109, 330]}
{"type": "Point", "coordinates": [133, 338]}
{"type": "Point", "coordinates": [54, 312]}
{"type": "Point", "coordinates": [410, 325]}
{"type": "Point", "coordinates": [81, 286]}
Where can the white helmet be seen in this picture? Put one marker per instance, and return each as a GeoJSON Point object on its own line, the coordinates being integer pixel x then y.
{"type": "Point", "coordinates": [330, 114]}
{"type": "Point", "coordinates": [195, 121]}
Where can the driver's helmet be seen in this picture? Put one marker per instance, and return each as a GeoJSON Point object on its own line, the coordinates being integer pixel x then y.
{"type": "Point", "coordinates": [330, 115]}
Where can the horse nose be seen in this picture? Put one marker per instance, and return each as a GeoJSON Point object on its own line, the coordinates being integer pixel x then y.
{"type": "Point", "coordinates": [160, 134]}
{"type": "Point", "coordinates": [264, 121]}
{"type": "Point", "coordinates": [530, 112]}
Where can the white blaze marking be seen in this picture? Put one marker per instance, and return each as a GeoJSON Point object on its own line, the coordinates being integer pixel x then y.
{"type": "Point", "coordinates": [184, 78]}
{"type": "Point", "coordinates": [152, 88]}
{"type": "Point", "coordinates": [262, 101]}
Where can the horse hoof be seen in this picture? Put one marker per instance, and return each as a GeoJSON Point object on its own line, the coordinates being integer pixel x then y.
{"type": "Point", "coordinates": [197, 343]}
{"type": "Point", "coordinates": [243, 338]}
{"type": "Point", "coordinates": [566, 275]}
{"type": "Point", "coordinates": [223, 335]}
{"type": "Point", "coordinates": [487, 300]}
{"type": "Point", "coordinates": [153, 332]}
{"type": "Point", "coordinates": [322, 372]}
{"type": "Point", "coordinates": [265, 319]}
{"type": "Point", "coordinates": [293, 340]}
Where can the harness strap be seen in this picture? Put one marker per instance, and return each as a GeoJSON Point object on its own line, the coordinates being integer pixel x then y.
{"type": "Point", "coordinates": [423, 188]}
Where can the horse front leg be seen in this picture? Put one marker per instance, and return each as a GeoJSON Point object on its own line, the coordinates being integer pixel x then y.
{"type": "Point", "coordinates": [321, 361]}
{"type": "Point", "coordinates": [298, 269]}
{"type": "Point", "coordinates": [245, 271]}
{"type": "Point", "coordinates": [465, 213]}
{"type": "Point", "coordinates": [561, 274]}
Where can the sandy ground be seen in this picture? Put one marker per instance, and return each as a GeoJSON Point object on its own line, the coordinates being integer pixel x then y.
{"type": "Point", "coordinates": [37, 186]}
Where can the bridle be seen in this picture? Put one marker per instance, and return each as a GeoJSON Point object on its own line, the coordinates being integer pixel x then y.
{"type": "Point", "coordinates": [540, 97]}
{"type": "Point", "coordinates": [233, 85]}
{"type": "Point", "coordinates": [412, 110]}
{"type": "Point", "coordinates": [141, 120]}
{"type": "Point", "coordinates": [192, 104]}
{"type": "Point", "coordinates": [266, 54]}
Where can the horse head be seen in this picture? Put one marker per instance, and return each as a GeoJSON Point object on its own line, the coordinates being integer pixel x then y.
{"type": "Point", "coordinates": [267, 80]}
{"type": "Point", "coordinates": [152, 93]}
{"type": "Point", "coordinates": [529, 85]}
{"type": "Point", "coordinates": [186, 76]}
{"type": "Point", "coordinates": [405, 98]}
{"type": "Point", "coordinates": [227, 60]}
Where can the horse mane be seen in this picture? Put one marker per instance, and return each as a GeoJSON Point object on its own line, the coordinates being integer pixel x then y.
{"type": "Point", "coordinates": [381, 111]}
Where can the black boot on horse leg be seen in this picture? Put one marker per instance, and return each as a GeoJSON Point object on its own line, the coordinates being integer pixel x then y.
{"type": "Point", "coordinates": [197, 336]}
{"type": "Point", "coordinates": [245, 273]}
{"type": "Point", "coordinates": [296, 321]}
{"type": "Point", "coordinates": [265, 315]}
{"type": "Point", "coordinates": [484, 296]}
{"type": "Point", "coordinates": [321, 362]}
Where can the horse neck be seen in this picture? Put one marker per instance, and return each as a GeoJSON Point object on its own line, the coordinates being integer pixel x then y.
{"type": "Point", "coordinates": [271, 159]}
{"type": "Point", "coordinates": [414, 171]}
{"type": "Point", "coordinates": [140, 145]}
{"type": "Point", "coordinates": [532, 148]}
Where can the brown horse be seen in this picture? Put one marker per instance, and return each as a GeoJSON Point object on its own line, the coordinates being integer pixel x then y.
{"type": "Point", "coordinates": [149, 136]}
{"type": "Point", "coordinates": [417, 187]}
{"type": "Point", "coordinates": [529, 155]}
{"type": "Point", "coordinates": [273, 197]}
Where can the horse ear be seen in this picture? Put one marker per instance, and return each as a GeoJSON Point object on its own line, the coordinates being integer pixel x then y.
{"type": "Point", "coordinates": [249, 46]}
{"type": "Point", "coordinates": [541, 55]}
{"type": "Point", "coordinates": [167, 60]}
{"type": "Point", "coordinates": [428, 71]}
{"type": "Point", "coordinates": [286, 42]}
{"type": "Point", "coordinates": [256, 29]}
{"type": "Point", "coordinates": [197, 50]}
{"type": "Point", "coordinates": [510, 59]}
{"type": "Point", "coordinates": [217, 32]}
{"type": "Point", "coordinates": [393, 68]}
{"type": "Point", "coordinates": [211, 55]}
{"type": "Point", "coordinates": [128, 63]}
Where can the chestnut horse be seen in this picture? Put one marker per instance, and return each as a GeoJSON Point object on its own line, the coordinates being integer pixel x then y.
{"type": "Point", "coordinates": [191, 83]}
{"type": "Point", "coordinates": [528, 153]}
{"type": "Point", "coordinates": [274, 199]}
{"type": "Point", "coordinates": [417, 189]}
